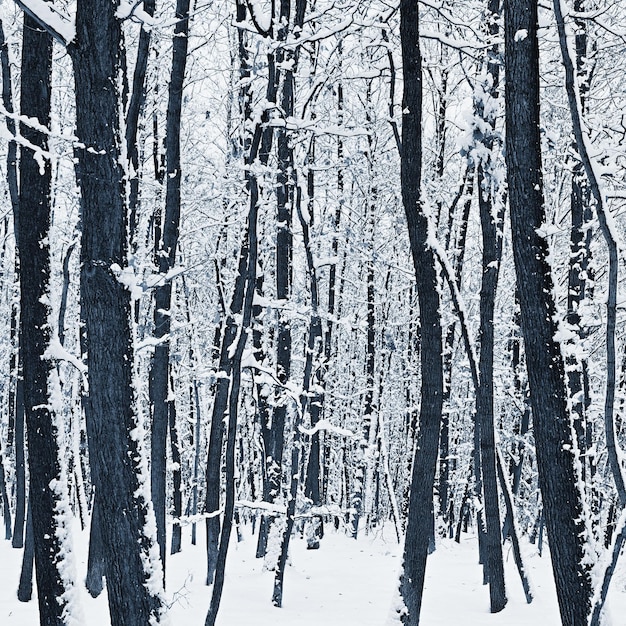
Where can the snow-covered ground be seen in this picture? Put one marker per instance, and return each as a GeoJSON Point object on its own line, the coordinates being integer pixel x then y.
{"type": "Point", "coordinates": [345, 583]}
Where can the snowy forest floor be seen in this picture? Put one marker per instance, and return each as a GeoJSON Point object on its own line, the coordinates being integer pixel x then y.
{"type": "Point", "coordinates": [344, 583]}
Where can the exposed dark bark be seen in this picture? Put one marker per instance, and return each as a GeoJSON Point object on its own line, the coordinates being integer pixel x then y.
{"type": "Point", "coordinates": [166, 248]}
{"type": "Point", "coordinates": [6, 505]}
{"type": "Point", "coordinates": [137, 99]}
{"type": "Point", "coordinates": [312, 479]}
{"type": "Point", "coordinates": [562, 500]}
{"type": "Point", "coordinates": [610, 238]}
{"type": "Point", "coordinates": [250, 247]}
{"type": "Point", "coordinates": [25, 586]}
{"type": "Point", "coordinates": [275, 436]}
{"type": "Point", "coordinates": [466, 191]}
{"type": "Point", "coordinates": [615, 550]}
{"type": "Point", "coordinates": [309, 401]}
{"type": "Point", "coordinates": [491, 207]}
{"type": "Point", "coordinates": [110, 409]}
{"type": "Point", "coordinates": [220, 404]}
{"type": "Point", "coordinates": [418, 530]}
{"type": "Point", "coordinates": [96, 567]}
{"type": "Point", "coordinates": [33, 245]}
{"type": "Point", "coordinates": [177, 494]}
{"type": "Point", "coordinates": [20, 459]}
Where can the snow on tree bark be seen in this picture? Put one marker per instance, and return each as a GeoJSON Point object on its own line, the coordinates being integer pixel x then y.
{"type": "Point", "coordinates": [562, 498]}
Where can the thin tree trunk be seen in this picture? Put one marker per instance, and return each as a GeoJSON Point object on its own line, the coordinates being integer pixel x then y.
{"type": "Point", "coordinates": [137, 99]}
{"type": "Point", "coordinates": [20, 458]}
{"type": "Point", "coordinates": [176, 475]}
{"type": "Point", "coordinates": [418, 530]}
{"type": "Point", "coordinates": [517, 554]}
{"type": "Point", "coordinates": [6, 505]}
{"type": "Point", "coordinates": [220, 405]}
{"type": "Point", "coordinates": [249, 279]}
{"type": "Point", "coordinates": [307, 402]}
{"type": "Point", "coordinates": [491, 207]}
{"type": "Point", "coordinates": [284, 256]}
{"type": "Point", "coordinates": [96, 567]}
{"type": "Point", "coordinates": [166, 250]}
{"type": "Point", "coordinates": [25, 587]}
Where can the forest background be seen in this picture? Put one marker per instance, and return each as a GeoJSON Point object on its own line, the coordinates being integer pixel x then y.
{"type": "Point", "coordinates": [290, 264]}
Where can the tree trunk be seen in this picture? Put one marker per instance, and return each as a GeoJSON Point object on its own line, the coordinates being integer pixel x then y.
{"type": "Point", "coordinates": [491, 207]}
{"type": "Point", "coordinates": [418, 530]}
{"type": "Point", "coordinates": [562, 500]}
{"type": "Point", "coordinates": [25, 586]}
{"type": "Point", "coordinates": [96, 567]}
{"type": "Point", "coordinates": [176, 475]}
{"type": "Point", "coordinates": [47, 486]}
{"type": "Point", "coordinates": [166, 249]}
{"type": "Point", "coordinates": [20, 455]}
{"type": "Point", "coordinates": [137, 99]}
{"type": "Point", "coordinates": [114, 443]}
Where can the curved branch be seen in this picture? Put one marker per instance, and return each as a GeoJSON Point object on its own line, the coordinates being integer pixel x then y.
{"type": "Point", "coordinates": [607, 228]}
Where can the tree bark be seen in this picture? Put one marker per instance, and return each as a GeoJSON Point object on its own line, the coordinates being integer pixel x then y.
{"type": "Point", "coordinates": [562, 500]}
{"type": "Point", "coordinates": [491, 208]}
{"type": "Point", "coordinates": [32, 232]}
{"type": "Point", "coordinates": [166, 249]}
{"type": "Point", "coordinates": [418, 530]}
{"type": "Point", "coordinates": [114, 446]}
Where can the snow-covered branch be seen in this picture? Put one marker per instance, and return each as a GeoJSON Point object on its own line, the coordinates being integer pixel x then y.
{"type": "Point", "coordinates": [57, 23]}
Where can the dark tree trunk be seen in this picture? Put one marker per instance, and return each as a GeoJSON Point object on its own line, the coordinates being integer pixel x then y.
{"type": "Point", "coordinates": [176, 475]}
{"type": "Point", "coordinates": [96, 557]}
{"type": "Point", "coordinates": [562, 499]}
{"type": "Point", "coordinates": [248, 274]}
{"type": "Point", "coordinates": [6, 505]}
{"type": "Point", "coordinates": [20, 457]}
{"type": "Point", "coordinates": [114, 451]}
{"type": "Point", "coordinates": [25, 586]}
{"type": "Point", "coordinates": [166, 248]}
{"type": "Point", "coordinates": [491, 207]}
{"type": "Point", "coordinates": [135, 105]}
{"type": "Point", "coordinates": [492, 251]}
{"type": "Point", "coordinates": [32, 230]}
{"type": "Point", "coordinates": [220, 405]}
{"type": "Point", "coordinates": [310, 403]}
{"type": "Point", "coordinates": [275, 436]}
{"type": "Point", "coordinates": [419, 528]}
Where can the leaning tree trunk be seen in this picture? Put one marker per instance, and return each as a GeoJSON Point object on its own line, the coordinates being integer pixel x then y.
{"type": "Point", "coordinates": [419, 527]}
{"type": "Point", "coordinates": [558, 478]}
{"type": "Point", "coordinates": [47, 487]}
{"type": "Point", "coordinates": [112, 429]}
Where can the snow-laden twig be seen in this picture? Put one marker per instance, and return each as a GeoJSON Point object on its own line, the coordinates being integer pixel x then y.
{"type": "Point", "coordinates": [56, 352]}
{"type": "Point", "coordinates": [457, 300]}
{"type": "Point", "coordinates": [325, 425]}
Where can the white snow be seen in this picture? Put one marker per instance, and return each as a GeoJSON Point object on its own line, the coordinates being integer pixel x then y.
{"type": "Point", "coordinates": [521, 34]}
{"type": "Point", "coordinates": [344, 583]}
{"type": "Point", "coordinates": [60, 25]}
